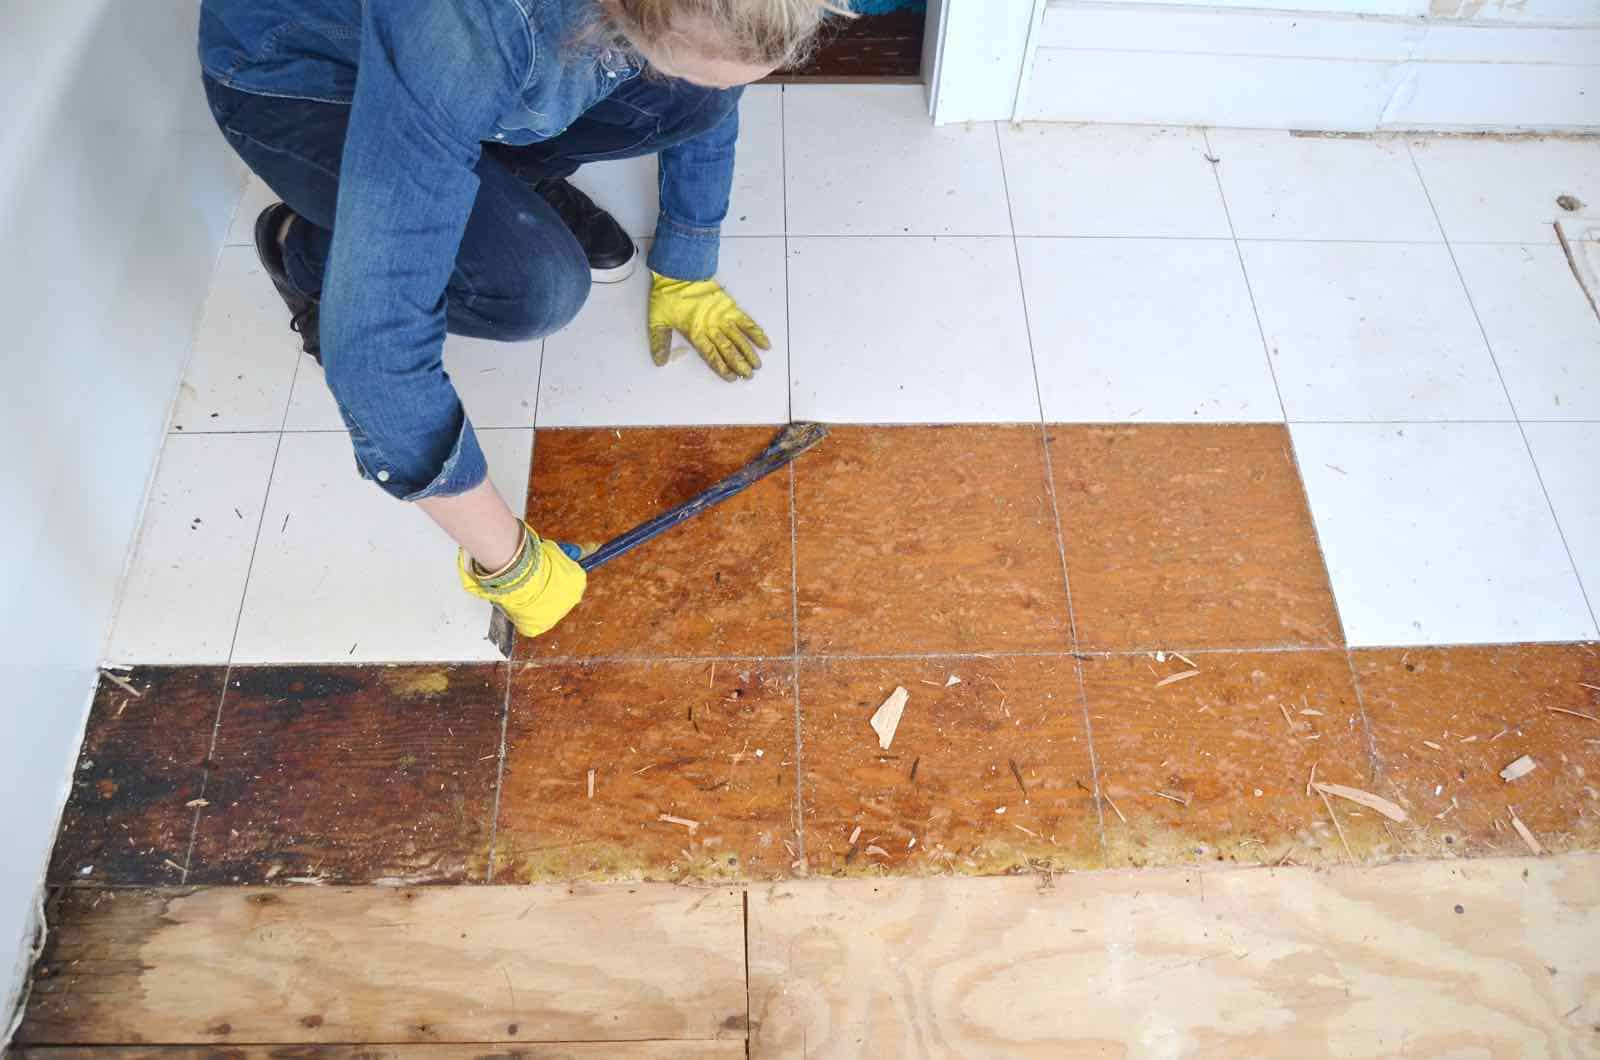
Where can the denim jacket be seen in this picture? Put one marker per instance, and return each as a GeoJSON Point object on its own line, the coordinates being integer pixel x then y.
{"type": "Point", "coordinates": [438, 79]}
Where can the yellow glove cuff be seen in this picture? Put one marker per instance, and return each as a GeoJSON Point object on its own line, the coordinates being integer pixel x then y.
{"type": "Point", "coordinates": [546, 589]}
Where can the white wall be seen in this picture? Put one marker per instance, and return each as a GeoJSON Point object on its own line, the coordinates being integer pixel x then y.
{"type": "Point", "coordinates": [1336, 65]}
{"type": "Point", "coordinates": [115, 193]}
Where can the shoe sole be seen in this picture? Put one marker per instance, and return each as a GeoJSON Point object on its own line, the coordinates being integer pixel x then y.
{"type": "Point", "coordinates": [617, 273]}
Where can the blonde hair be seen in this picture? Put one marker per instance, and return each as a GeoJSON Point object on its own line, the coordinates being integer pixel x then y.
{"type": "Point", "coordinates": [758, 32]}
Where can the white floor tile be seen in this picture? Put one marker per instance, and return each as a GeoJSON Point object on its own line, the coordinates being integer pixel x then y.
{"type": "Point", "coordinates": [1145, 330]}
{"type": "Point", "coordinates": [1372, 331]}
{"type": "Point", "coordinates": [257, 197]}
{"type": "Point", "coordinates": [865, 160]}
{"type": "Point", "coordinates": [908, 330]}
{"type": "Point", "coordinates": [498, 383]}
{"type": "Point", "coordinates": [1111, 180]}
{"type": "Point", "coordinates": [1568, 455]}
{"type": "Point", "coordinates": [627, 188]}
{"type": "Point", "coordinates": [1438, 534]}
{"type": "Point", "coordinates": [1544, 334]}
{"type": "Point", "coordinates": [1281, 186]}
{"type": "Point", "coordinates": [1505, 191]}
{"type": "Point", "coordinates": [345, 573]}
{"type": "Point", "coordinates": [244, 359]}
{"type": "Point", "coordinates": [181, 597]}
{"type": "Point", "coordinates": [598, 370]}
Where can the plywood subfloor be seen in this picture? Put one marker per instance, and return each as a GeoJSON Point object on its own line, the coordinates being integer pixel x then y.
{"type": "Point", "coordinates": [1490, 957]}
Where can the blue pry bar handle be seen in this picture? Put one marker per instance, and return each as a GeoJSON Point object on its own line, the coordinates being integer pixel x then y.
{"type": "Point", "coordinates": [793, 440]}
{"type": "Point", "coordinates": [790, 443]}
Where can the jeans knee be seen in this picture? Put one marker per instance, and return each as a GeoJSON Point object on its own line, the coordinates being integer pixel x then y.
{"type": "Point", "coordinates": [548, 303]}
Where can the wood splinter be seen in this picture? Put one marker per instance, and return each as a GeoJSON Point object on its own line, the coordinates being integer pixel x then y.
{"type": "Point", "coordinates": [886, 719]}
{"type": "Point", "coordinates": [667, 818]}
{"type": "Point", "coordinates": [1364, 798]}
{"type": "Point", "coordinates": [1520, 767]}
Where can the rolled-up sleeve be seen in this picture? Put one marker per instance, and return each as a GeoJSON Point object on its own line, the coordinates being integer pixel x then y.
{"type": "Point", "coordinates": [695, 184]}
{"type": "Point", "coordinates": [434, 76]}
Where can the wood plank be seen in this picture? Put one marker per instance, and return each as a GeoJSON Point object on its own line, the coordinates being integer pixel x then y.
{"type": "Point", "coordinates": [726, 1049]}
{"type": "Point", "coordinates": [1482, 958]}
{"type": "Point", "coordinates": [383, 964]}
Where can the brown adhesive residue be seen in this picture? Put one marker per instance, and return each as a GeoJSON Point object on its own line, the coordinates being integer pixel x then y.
{"type": "Point", "coordinates": [1446, 721]}
{"type": "Point", "coordinates": [1216, 767]}
{"type": "Point", "coordinates": [352, 774]}
{"type": "Point", "coordinates": [719, 584]}
{"type": "Point", "coordinates": [945, 798]}
{"type": "Point", "coordinates": [1189, 536]}
{"type": "Point", "coordinates": [709, 744]}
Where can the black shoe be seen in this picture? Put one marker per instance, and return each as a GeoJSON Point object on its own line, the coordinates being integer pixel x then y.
{"type": "Point", "coordinates": [303, 309]}
{"type": "Point", "coordinates": [610, 250]}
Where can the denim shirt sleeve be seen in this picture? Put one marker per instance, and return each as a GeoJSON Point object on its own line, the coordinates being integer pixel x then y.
{"type": "Point", "coordinates": [696, 181]}
{"type": "Point", "coordinates": [433, 77]}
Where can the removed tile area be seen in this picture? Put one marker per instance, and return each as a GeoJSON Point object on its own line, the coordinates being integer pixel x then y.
{"type": "Point", "coordinates": [1496, 958]}
{"type": "Point", "coordinates": [1450, 722]}
{"type": "Point", "coordinates": [693, 768]}
{"type": "Point", "coordinates": [990, 775]}
{"type": "Point", "coordinates": [720, 584]}
{"type": "Point", "coordinates": [1219, 766]}
{"type": "Point", "coordinates": [928, 539]}
{"type": "Point", "coordinates": [142, 764]}
{"type": "Point", "coordinates": [1506, 190]}
{"type": "Point", "coordinates": [352, 775]}
{"type": "Point", "coordinates": [1180, 536]}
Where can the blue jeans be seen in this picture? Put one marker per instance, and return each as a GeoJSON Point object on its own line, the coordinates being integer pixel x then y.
{"type": "Point", "coordinates": [518, 272]}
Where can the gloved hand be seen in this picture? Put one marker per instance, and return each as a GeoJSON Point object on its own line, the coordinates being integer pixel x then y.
{"type": "Point", "coordinates": [536, 589]}
{"type": "Point", "coordinates": [712, 321]}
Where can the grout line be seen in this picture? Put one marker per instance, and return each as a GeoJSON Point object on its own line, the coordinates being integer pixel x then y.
{"type": "Point", "coordinates": [1055, 511]}
{"type": "Point", "coordinates": [788, 305]}
{"type": "Point", "coordinates": [205, 774]}
{"type": "Point", "coordinates": [799, 814]}
{"type": "Point", "coordinates": [1238, 251]}
{"type": "Point", "coordinates": [238, 617]}
{"type": "Point", "coordinates": [1294, 462]}
{"type": "Point", "coordinates": [1527, 446]}
{"type": "Point", "coordinates": [500, 772]}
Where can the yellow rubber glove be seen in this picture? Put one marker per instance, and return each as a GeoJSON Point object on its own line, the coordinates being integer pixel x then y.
{"type": "Point", "coordinates": [723, 333]}
{"type": "Point", "coordinates": [535, 590]}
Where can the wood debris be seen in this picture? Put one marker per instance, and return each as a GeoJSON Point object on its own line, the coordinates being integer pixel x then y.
{"type": "Point", "coordinates": [169, 863]}
{"type": "Point", "coordinates": [1337, 827]}
{"type": "Point", "coordinates": [855, 835]}
{"type": "Point", "coordinates": [874, 849]}
{"type": "Point", "coordinates": [590, 781]}
{"type": "Point", "coordinates": [1181, 800]}
{"type": "Point", "coordinates": [886, 719]}
{"type": "Point", "coordinates": [1286, 719]}
{"type": "Point", "coordinates": [1186, 660]}
{"type": "Point", "coordinates": [1526, 834]}
{"type": "Point", "coordinates": [1172, 679]}
{"type": "Point", "coordinates": [1028, 831]}
{"type": "Point", "coordinates": [1364, 798]}
{"type": "Point", "coordinates": [1574, 713]}
{"type": "Point", "coordinates": [1592, 688]}
{"type": "Point", "coordinates": [667, 818]}
{"type": "Point", "coordinates": [195, 804]}
{"type": "Point", "coordinates": [1312, 779]}
{"type": "Point", "coordinates": [1311, 712]}
{"type": "Point", "coordinates": [1521, 767]}
{"type": "Point", "coordinates": [952, 681]}
{"type": "Point", "coordinates": [1113, 806]}
{"type": "Point", "coordinates": [1430, 743]}
{"type": "Point", "coordinates": [120, 683]}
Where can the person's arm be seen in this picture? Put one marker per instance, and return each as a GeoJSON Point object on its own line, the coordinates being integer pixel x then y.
{"type": "Point", "coordinates": [433, 79]}
{"type": "Point", "coordinates": [696, 181]}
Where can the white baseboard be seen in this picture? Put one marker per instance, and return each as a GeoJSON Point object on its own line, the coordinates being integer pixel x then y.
{"type": "Point", "coordinates": [1143, 63]}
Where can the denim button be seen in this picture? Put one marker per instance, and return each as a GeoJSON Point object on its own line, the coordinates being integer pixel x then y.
{"type": "Point", "coordinates": [383, 476]}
